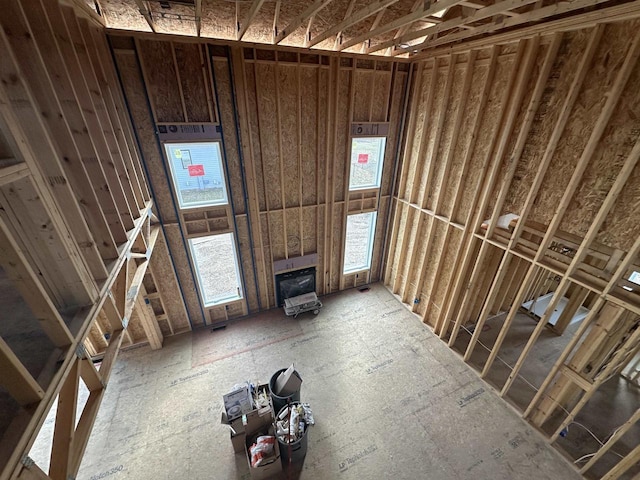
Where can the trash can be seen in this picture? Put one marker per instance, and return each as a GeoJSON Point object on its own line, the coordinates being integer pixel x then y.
{"type": "Point", "coordinates": [296, 451]}
{"type": "Point", "coordinates": [279, 401]}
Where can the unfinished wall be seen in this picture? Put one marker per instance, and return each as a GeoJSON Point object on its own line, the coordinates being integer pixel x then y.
{"type": "Point", "coordinates": [77, 233]}
{"type": "Point", "coordinates": [285, 119]}
{"type": "Point", "coordinates": [520, 178]}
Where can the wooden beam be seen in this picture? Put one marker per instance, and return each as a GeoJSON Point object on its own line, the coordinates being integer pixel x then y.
{"type": "Point", "coordinates": [146, 13]}
{"type": "Point", "coordinates": [198, 15]}
{"type": "Point", "coordinates": [478, 15]}
{"type": "Point", "coordinates": [401, 22]}
{"type": "Point", "coordinates": [347, 14]}
{"type": "Point", "coordinates": [27, 283]}
{"type": "Point", "coordinates": [535, 15]}
{"type": "Point", "coordinates": [148, 320]}
{"type": "Point", "coordinates": [16, 379]}
{"type": "Point", "coordinates": [65, 425]}
{"type": "Point", "coordinates": [460, 265]}
{"type": "Point", "coordinates": [514, 160]}
{"type": "Point", "coordinates": [248, 18]}
{"type": "Point", "coordinates": [13, 172]}
{"type": "Point", "coordinates": [612, 98]}
{"type": "Point", "coordinates": [352, 19]}
{"type": "Point", "coordinates": [618, 434]}
{"type": "Point", "coordinates": [623, 465]}
{"type": "Point", "coordinates": [312, 9]}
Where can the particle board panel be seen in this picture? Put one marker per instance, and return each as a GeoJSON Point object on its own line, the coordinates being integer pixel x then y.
{"type": "Point", "coordinates": [342, 129]}
{"type": "Point", "coordinates": [311, 131]}
{"type": "Point", "coordinates": [556, 91]}
{"type": "Point", "coordinates": [619, 137]}
{"type": "Point", "coordinates": [518, 125]}
{"type": "Point", "coordinates": [163, 88]}
{"type": "Point", "coordinates": [621, 225]}
{"type": "Point", "coordinates": [135, 91]}
{"type": "Point", "coordinates": [253, 135]}
{"type": "Point", "coordinates": [412, 160]}
{"type": "Point", "coordinates": [310, 235]}
{"type": "Point", "coordinates": [428, 147]}
{"type": "Point", "coordinates": [194, 81]}
{"type": "Point", "coordinates": [469, 117]}
{"type": "Point", "coordinates": [364, 83]}
{"type": "Point", "coordinates": [250, 290]}
{"type": "Point", "coordinates": [438, 184]}
{"type": "Point", "coordinates": [489, 120]}
{"type": "Point", "coordinates": [379, 105]}
{"type": "Point", "coordinates": [601, 75]}
{"type": "Point", "coordinates": [268, 118]}
{"type": "Point", "coordinates": [183, 272]}
{"type": "Point", "coordinates": [294, 234]}
{"type": "Point", "coordinates": [233, 167]}
{"type": "Point", "coordinates": [438, 231]}
{"type": "Point", "coordinates": [337, 247]}
{"type": "Point", "coordinates": [395, 114]}
{"type": "Point", "coordinates": [167, 284]}
{"type": "Point", "coordinates": [288, 133]}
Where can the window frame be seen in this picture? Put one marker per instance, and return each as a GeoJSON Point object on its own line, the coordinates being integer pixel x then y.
{"type": "Point", "coordinates": [380, 169]}
{"type": "Point", "coordinates": [198, 274]}
{"type": "Point", "coordinates": [371, 242]}
{"type": "Point", "coordinates": [172, 174]}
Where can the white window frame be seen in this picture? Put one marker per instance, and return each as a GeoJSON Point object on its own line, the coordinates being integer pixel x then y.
{"type": "Point", "coordinates": [220, 301]}
{"type": "Point", "coordinates": [371, 240]}
{"type": "Point", "coordinates": [218, 143]}
{"type": "Point", "coordinates": [381, 152]}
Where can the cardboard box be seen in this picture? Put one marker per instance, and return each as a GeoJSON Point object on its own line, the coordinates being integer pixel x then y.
{"type": "Point", "coordinates": [238, 402]}
{"type": "Point", "coordinates": [252, 420]}
{"type": "Point", "coordinates": [271, 469]}
{"type": "Point", "coordinates": [238, 442]}
{"type": "Point", "coordinates": [288, 382]}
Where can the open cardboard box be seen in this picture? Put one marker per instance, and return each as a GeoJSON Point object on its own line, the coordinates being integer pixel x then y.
{"type": "Point", "coordinates": [288, 382]}
{"type": "Point", "coordinates": [252, 420]}
{"type": "Point", "coordinates": [274, 465]}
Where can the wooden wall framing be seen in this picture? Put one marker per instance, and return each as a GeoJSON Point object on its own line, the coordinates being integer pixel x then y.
{"type": "Point", "coordinates": [544, 129]}
{"type": "Point", "coordinates": [77, 233]}
{"type": "Point", "coordinates": [285, 119]}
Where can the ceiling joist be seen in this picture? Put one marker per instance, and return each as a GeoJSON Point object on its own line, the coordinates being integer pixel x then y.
{"type": "Point", "coordinates": [146, 13]}
{"type": "Point", "coordinates": [401, 22]}
{"type": "Point", "coordinates": [534, 15]}
{"type": "Point", "coordinates": [357, 17]}
{"type": "Point", "coordinates": [483, 13]}
{"type": "Point", "coordinates": [314, 8]}
{"type": "Point", "coordinates": [198, 17]}
{"type": "Point", "coordinates": [251, 14]}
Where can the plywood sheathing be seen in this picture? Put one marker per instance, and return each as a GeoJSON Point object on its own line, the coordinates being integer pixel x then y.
{"type": "Point", "coordinates": [441, 261]}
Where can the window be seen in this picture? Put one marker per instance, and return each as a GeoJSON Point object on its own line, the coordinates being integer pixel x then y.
{"type": "Point", "coordinates": [198, 177]}
{"type": "Point", "coordinates": [367, 157]}
{"type": "Point", "coordinates": [217, 268]}
{"type": "Point", "coordinates": [359, 242]}
{"type": "Point", "coordinates": [633, 278]}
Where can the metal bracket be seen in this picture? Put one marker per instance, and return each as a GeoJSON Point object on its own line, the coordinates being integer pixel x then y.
{"type": "Point", "coordinates": [125, 322]}
{"type": "Point", "coordinates": [27, 461]}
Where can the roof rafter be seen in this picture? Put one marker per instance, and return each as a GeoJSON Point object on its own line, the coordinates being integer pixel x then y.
{"type": "Point", "coordinates": [486, 12]}
{"type": "Point", "coordinates": [146, 13]}
{"type": "Point", "coordinates": [401, 22]}
{"type": "Point", "coordinates": [347, 14]}
{"type": "Point", "coordinates": [357, 17]}
{"type": "Point", "coordinates": [312, 9]}
{"type": "Point", "coordinates": [251, 14]}
{"type": "Point", "coordinates": [198, 16]}
{"type": "Point", "coordinates": [532, 16]}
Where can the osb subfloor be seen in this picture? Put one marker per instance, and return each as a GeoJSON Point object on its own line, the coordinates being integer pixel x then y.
{"type": "Point", "coordinates": [390, 400]}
